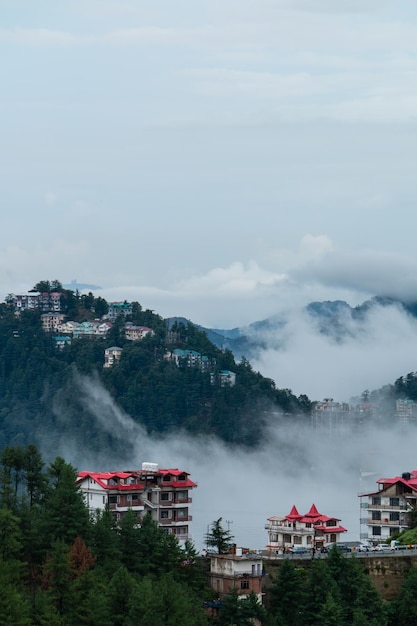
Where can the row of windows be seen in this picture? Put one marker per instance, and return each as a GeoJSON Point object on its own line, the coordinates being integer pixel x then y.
{"type": "Point", "coordinates": [376, 500]}
{"type": "Point", "coordinates": [394, 516]}
{"type": "Point", "coordinates": [181, 513]}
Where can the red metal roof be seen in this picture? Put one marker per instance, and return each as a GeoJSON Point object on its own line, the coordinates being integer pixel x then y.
{"type": "Point", "coordinates": [102, 478]}
{"type": "Point", "coordinates": [293, 514]}
{"type": "Point", "coordinates": [331, 529]}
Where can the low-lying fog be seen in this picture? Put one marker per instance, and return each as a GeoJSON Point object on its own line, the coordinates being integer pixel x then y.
{"type": "Point", "coordinates": [295, 466]}
{"type": "Point", "coordinates": [368, 354]}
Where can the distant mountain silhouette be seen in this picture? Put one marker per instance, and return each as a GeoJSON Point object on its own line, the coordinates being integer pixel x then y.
{"type": "Point", "coordinates": [334, 318]}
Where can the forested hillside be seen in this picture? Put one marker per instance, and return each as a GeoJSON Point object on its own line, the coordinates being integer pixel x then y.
{"type": "Point", "coordinates": [39, 383]}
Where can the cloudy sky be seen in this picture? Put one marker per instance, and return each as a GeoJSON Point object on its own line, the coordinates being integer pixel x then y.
{"type": "Point", "coordinates": [218, 160]}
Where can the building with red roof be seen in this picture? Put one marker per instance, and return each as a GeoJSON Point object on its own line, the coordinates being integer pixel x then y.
{"type": "Point", "coordinates": [385, 512]}
{"type": "Point", "coordinates": [312, 530]}
{"type": "Point", "coordinates": [164, 493]}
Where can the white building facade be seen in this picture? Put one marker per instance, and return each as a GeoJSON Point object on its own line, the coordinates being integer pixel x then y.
{"type": "Point", "coordinates": [312, 530]}
{"type": "Point", "coordinates": [385, 512]}
{"type": "Point", "coordinates": [164, 493]}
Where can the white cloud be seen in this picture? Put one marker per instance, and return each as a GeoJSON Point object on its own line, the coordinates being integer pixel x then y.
{"type": "Point", "coordinates": [373, 353]}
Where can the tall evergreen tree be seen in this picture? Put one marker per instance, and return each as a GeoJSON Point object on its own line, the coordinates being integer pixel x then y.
{"type": "Point", "coordinates": [64, 512]}
{"type": "Point", "coordinates": [219, 537]}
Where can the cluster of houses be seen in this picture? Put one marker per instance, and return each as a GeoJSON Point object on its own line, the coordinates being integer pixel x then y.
{"type": "Point", "coordinates": [55, 322]}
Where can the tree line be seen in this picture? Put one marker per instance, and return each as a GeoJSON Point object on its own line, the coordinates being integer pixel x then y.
{"type": "Point", "coordinates": [62, 566]}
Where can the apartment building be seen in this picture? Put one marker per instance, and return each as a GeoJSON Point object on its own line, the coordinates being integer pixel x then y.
{"type": "Point", "coordinates": [119, 308]}
{"type": "Point", "coordinates": [112, 355]}
{"type": "Point", "coordinates": [51, 321]}
{"type": "Point", "coordinates": [190, 358]}
{"type": "Point", "coordinates": [35, 300]}
{"type": "Point", "coordinates": [312, 530]}
{"type": "Point", "coordinates": [384, 512]}
{"type": "Point", "coordinates": [164, 493]}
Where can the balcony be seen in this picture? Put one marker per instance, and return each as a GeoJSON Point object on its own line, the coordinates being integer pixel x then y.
{"type": "Point", "coordinates": [386, 522]}
{"type": "Point", "coordinates": [172, 521]}
{"type": "Point", "coordinates": [386, 507]}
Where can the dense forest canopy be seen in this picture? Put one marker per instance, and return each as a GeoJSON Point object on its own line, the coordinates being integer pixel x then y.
{"type": "Point", "coordinates": [39, 394]}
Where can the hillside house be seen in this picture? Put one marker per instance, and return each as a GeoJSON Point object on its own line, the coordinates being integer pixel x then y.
{"type": "Point", "coordinates": [51, 321]}
{"type": "Point", "coordinates": [164, 493]}
{"type": "Point", "coordinates": [312, 530]}
{"type": "Point", "coordinates": [34, 300]}
{"type": "Point", "coordinates": [406, 411]}
{"type": "Point", "coordinates": [112, 355]}
{"type": "Point", "coordinates": [137, 333]}
{"type": "Point", "coordinates": [190, 358]}
{"type": "Point", "coordinates": [384, 512]}
{"type": "Point", "coordinates": [119, 308]}
{"type": "Point", "coordinates": [61, 341]}
{"type": "Point", "coordinates": [242, 572]}
{"type": "Point", "coordinates": [226, 378]}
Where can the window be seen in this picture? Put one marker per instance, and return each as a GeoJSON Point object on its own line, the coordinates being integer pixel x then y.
{"type": "Point", "coordinates": [244, 584]}
{"type": "Point", "coordinates": [376, 515]}
{"type": "Point", "coordinates": [376, 500]}
{"type": "Point", "coordinates": [376, 531]}
{"type": "Point", "coordinates": [394, 502]}
{"type": "Point", "coordinates": [394, 516]}
{"type": "Point", "coordinates": [167, 478]}
{"type": "Point", "coordinates": [182, 513]}
{"type": "Point", "coordinates": [165, 514]}
{"type": "Point", "coordinates": [135, 496]}
{"type": "Point", "coordinates": [182, 477]}
{"type": "Point", "coordinates": [331, 522]}
{"type": "Point", "coordinates": [113, 499]}
{"type": "Point", "coordinates": [182, 495]}
{"type": "Point", "coordinates": [166, 495]}
{"type": "Point", "coordinates": [308, 525]}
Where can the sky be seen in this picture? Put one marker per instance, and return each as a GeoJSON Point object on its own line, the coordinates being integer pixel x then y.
{"type": "Point", "coordinates": [220, 160]}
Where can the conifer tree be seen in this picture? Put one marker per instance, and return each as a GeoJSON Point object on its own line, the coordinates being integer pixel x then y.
{"type": "Point", "coordinates": [218, 537]}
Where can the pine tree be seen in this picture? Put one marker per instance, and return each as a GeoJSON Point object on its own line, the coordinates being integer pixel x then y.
{"type": "Point", "coordinates": [219, 537]}
{"type": "Point", "coordinates": [64, 512]}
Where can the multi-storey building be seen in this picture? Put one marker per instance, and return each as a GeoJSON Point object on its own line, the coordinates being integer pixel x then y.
{"type": "Point", "coordinates": [384, 512]}
{"type": "Point", "coordinates": [406, 411]}
{"type": "Point", "coordinates": [226, 378]}
{"type": "Point", "coordinates": [164, 493]}
{"type": "Point", "coordinates": [190, 358]}
{"type": "Point", "coordinates": [239, 571]}
{"type": "Point", "coordinates": [35, 300]}
{"type": "Point", "coordinates": [51, 321]}
{"type": "Point", "coordinates": [119, 308]}
{"type": "Point", "coordinates": [136, 333]}
{"type": "Point", "coordinates": [312, 530]}
{"type": "Point", "coordinates": [339, 418]}
{"type": "Point", "coordinates": [112, 355]}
